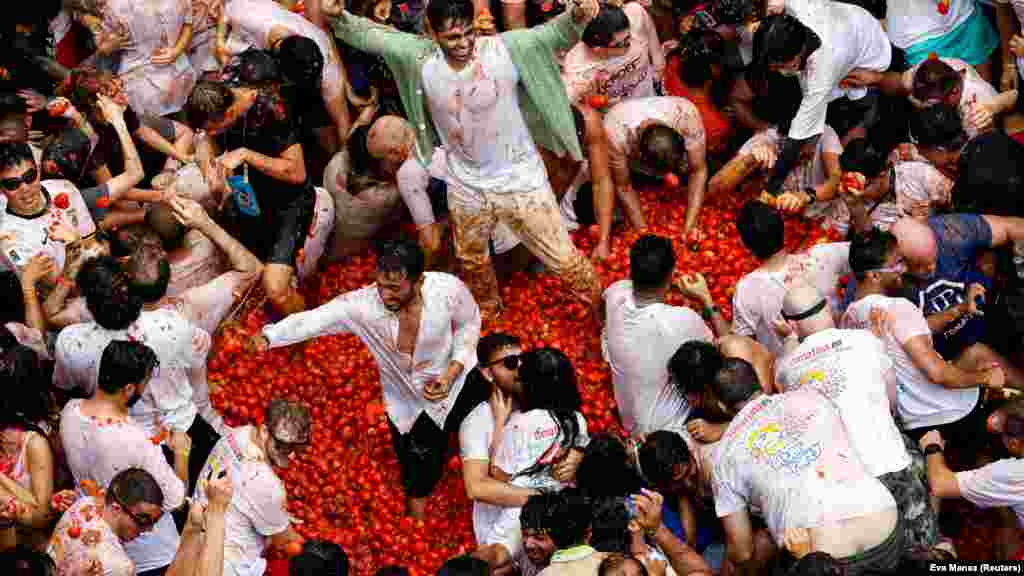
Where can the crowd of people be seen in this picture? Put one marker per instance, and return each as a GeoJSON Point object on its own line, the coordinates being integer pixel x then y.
{"type": "Point", "coordinates": [165, 163]}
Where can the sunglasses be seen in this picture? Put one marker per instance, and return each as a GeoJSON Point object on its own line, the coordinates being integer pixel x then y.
{"type": "Point", "coordinates": [12, 184]}
{"type": "Point", "coordinates": [511, 362]}
{"type": "Point", "coordinates": [143, 522]}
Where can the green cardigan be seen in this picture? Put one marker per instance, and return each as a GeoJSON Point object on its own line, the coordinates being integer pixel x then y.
{"type": "Point", "coordinates": [542, 98]}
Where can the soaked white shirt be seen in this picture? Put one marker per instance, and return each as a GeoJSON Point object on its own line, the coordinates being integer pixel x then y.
{"type": "Point", "coordinates": [449, 330]}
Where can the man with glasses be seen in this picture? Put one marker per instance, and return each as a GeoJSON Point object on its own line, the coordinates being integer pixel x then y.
{"type": "Point", "coordinates": [930, 392]}
{"type": "Point", "coordinates": [422, 329]}
{"type": "Point", "coordinates": [100, 439]}
{"type": "Point", "coordinates": [257, 517]}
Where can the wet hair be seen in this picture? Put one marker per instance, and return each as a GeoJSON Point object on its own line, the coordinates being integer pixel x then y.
{"type": "Point", "coordinates": [651, 262]}
{"type": "Point", "coordinates": [614, 565]}
{"type": "Point", "coordinates": [610, 20]}
{"type": "Point", "coordinates": [292, 416]}
{"type": "Point", "coordinates": [938, 126]}
{"type": "Point", "coordinates": [735, 382]}
{"type": "Point", "coordinates": [761, 228]}
{"type": "Point", "coordinates": [24, 561]}
{"type": "Point", "coordinates": [868, 251]}
{"type": "Point", "coordinates": [1014, 418]}
{"type": "Point", "coordinates": [442, 14]}
{"type": "Point", "coordinates": [66, 157]}
{"type": "Point", "coordinates": [662, 149]}
{"type": "Point", "coordinates": [781, 38]}
{"type": "Point", "coordinates": [319, 558]}
{"type": "Point", "coordinates": [694, 365]}
{"type": "Point", "coordinates": [464, 565]}
{"type": "Point", "coordinates": [816, 564]}
{"type": "Point", "coordinates": [10, 294]}
{"type": "Point", "coordinates": [539, 512]}
{"type": "Point", "coordinates": [549, 383]}
{"type": "Point", "coordinates": [136, 486]}
{"type": "Point", "coordinates": [572, 518]}
{"type": "Point", "coordinates": [107, 293]}
{"type": "Point", "coordinates": [123, 363]}
{"type": "Point", "coordinates": [301, 62]}
{"type": "Point", "coordinates": [699, 51]}
{"type": "Point", "coordinates": [149, 272]}
{"type": "Point", "coordinates": [660, 453]}
{"type": "Point", "coordinates": [778, 99]}
{"type": "Point", "coordinates": [402, 255]}
{"type": "Point", "coordinates": [860, 155]}
{"type": "Point", "coordinates": [934, 80]}
{"type": "Point", "coordinates": [14, 153]}
{"type": "Point", "coordinates": [609, 531]}
{"type": "Point", "coordinates": [11, 105]}
{"type": "Point", "coordinates": [207, 103]}
{"type": "Point", "coordinates": [26, 401]}
{"type": "Point", "coordinates": [84, 85]}
{"type": "Point", "coordinates": [161, 220]}
{"type": "Point", "coordinates": [258, 68]}
{"type": "Point", "coordinates": [491, 343]}
{"type": "Point", "coordinates": [605, 470]}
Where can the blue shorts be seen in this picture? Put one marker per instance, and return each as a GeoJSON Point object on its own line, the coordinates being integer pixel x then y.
{"type": "Point", "coordinates": [973, 41]}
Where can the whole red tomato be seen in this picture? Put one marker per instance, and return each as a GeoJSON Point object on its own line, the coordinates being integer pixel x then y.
{"type": "Point", "coordinates": [62, 201]}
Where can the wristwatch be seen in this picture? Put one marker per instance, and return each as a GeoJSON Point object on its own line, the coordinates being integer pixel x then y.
{"type": "Point", "coordinates": [932, 448]}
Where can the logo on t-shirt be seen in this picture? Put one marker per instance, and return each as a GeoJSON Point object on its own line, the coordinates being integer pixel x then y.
{"type": "Point", "coordinates": [771, 446]}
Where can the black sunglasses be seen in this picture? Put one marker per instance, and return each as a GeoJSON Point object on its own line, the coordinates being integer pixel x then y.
{"type": "Point", "coordinates": [12, 184]}
{"type": "Point", "coordinates": [143, 522]}
{"type": "Point", "coordinates": [511, 362]}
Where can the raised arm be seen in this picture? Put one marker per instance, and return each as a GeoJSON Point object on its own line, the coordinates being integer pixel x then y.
{"type": "Point", "coordinates": [368, 36]}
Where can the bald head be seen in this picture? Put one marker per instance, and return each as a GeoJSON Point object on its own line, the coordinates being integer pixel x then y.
{"type": "Point", "coordinates": [387, 137]}
{"type": "Point", "coordinates": [917, 245]}
{"type": "Point", "coordinates": [801, 299]}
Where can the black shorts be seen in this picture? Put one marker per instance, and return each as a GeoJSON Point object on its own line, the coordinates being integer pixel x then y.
{"type": "Point", "coordinates": [423, 449]}
{"type": "Point", "coordinates": [965, 432]}
{"type": "Point", "coordinates": [279, 232]}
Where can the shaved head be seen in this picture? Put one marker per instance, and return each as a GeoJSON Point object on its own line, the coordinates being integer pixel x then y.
{"type": "Point", "coordinates": [801, 299]}
{"type": "Point", "coordinates": [386, 134]}
{"type": "Point", "coordinates": [917, 245]}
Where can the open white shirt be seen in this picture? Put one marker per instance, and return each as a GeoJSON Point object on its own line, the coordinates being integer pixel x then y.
{"type": "Point", "coordinates": [638, 342]}
{"type": "Point", "coordinates": [449, 330]}
{"type": "Point", "coordinates": [849, 368]}
{"type": "Point", "coordinates": [475, 436]}
{"type": "Point", "coordinates": [997, 484]}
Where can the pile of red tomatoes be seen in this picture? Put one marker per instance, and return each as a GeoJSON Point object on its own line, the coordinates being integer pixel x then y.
{"type": "Point", "coordinates": [345, 486]}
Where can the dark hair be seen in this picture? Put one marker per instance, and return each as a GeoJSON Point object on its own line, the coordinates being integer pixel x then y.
{"type": "Point", "coordinates": [539, 512]}
{"type": "Point", "coordinates": [781, 38]}
{"type": "Point", "coordinates": [134, 486]}
{"type": "Point", "coordinates": [605, 470]}
{"type": "Point", "coordinates": [493, 342]}
{"type": "Point", "coordinates": [651, 262]}
{"type": "Point", "coordinates": [609, 21]}
{"type": "Point", "coordinates": [816, 564]}
{"type": "Point", "coordinates": [402, 255]}
{"type": "Point", "coordinates": [207, 103]}
{"type": "Point", "coordinates": [107, 293]}
{"type": "Point", "coordinates": [319, 558]}
{"type": "Point", "coordinates": [361, 163]}
{"type": "Point", "coordinates": [14, 153]}
{"type": "Point", "coordinates": [282, 413]}
{"type": "Point", "coordinates": [736, 382]}
{"type": "Point", "coordinates": [609, 531]}
{"type": "Point", "coordinates": [699, 50]}
{"type": "Point", "coordinates": [761, 228]}
{"type": "Point", "coordinates": [67, 156]}
{"type": "Point", "coordinates": [869, 251]}
{"type": "Point", "coordinates": [549, 383]}
{"type": "Point", "coordinates": [10, 294]}
{"type": "Point", "coordinates": [938, 126]}
{"type": "Point", "coordinates": [660, 453]}
{"type": "Point", "coordinates": [392, 570]}
{"type": "Point", "coordinates": [11, 105]}
{"type": "Point", "coordinates": [123, 363]}
{"type": "Point", "coordinates": [694, 365]}
{"type": "Point", "coordinates": [614, 562]}
{"type": "Point", "coordinates": [443, 12]}
{"type": "Point", "coordinates": [934, 80]}
{"type": "Point", "coordinates": [662, 149]}
{"type": "Point", "coordinates": [258, 68]}
{"type": "Point", "coordinates": [160, 219]}
{"type": "Point", "coordinates": [26, 401]}
{"type": "Point", "coordinates": [301, 62]}
{"type": "Point", "coordinates": [777, 99]}
{"type": "Point", "coordinates": [860, 155]}
{"type": "Point", "coordinates": [24, 561]}
{"type": "Point", "coordinates": [572, 518]}
{"type": "Point", "coordinates": [464, 565]}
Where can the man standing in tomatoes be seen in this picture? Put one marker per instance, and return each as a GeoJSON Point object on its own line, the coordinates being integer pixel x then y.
{"type": "Point", "coordinates": [422, 329]}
